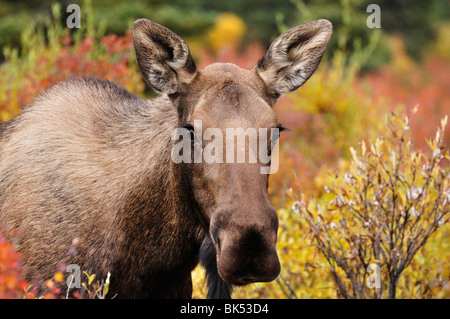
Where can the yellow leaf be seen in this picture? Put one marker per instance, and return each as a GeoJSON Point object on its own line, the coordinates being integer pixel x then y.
{"type": "Point", "coordinates": [90, 278]}
{"type": "Point", "coordinates": [58, 277]}
{"type": "Point", "coordinates": [379, 142]}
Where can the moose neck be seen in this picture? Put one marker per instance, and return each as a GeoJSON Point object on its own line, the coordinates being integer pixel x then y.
{"type": "Point", "coordinates": [161, 200]}
{"type": "Point", "coordinates": [158, 218]}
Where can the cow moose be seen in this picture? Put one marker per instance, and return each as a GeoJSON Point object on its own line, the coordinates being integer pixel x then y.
{"type": "Point", "coordinates": [87, 160]}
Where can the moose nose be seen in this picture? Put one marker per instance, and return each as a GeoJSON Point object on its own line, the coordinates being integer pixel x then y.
{"type": "Point", "coordinates": [248, 255]}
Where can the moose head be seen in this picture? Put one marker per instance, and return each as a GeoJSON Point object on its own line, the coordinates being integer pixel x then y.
{"type": "Point", "coordinates": [231, 195]}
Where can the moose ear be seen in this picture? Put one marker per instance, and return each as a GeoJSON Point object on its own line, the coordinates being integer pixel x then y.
{"type": "Point", "coordinates": [294, 56]}
{"type": "Point", "coordinates": [163, 57]}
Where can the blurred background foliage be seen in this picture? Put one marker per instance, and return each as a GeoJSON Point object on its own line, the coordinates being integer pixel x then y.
{"type": "Point", "coordinates": [415, 21]}
{"type": "Point", "coordinates": [366, 74]}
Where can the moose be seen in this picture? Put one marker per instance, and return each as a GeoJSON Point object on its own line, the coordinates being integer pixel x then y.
{"type": "Point", "coordinates": [87, 160]}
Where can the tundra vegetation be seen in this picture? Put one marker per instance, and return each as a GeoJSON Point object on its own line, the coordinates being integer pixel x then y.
{"type": "Point", "coordinates": [364, 170]}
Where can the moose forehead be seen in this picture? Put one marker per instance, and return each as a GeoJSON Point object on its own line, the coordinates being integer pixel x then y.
{"type": "Point", "coordinates": [230, 95]}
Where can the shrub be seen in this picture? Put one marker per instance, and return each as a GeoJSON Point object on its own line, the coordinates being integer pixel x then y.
{"type": "Point", "coordinates": [385, 205]}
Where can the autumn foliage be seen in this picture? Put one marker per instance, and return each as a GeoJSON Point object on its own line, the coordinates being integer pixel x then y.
{"type": "Point", "coordinates": [12, 284]}
{"type": "Point", "coordinates": [337, 161]}
{"type": "Point", "coordinates": [45, 62]}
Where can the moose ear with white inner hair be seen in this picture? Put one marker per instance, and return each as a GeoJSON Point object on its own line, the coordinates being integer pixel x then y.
{"type": "Point", "coordinates": [163, 57]}
{"type": "Point", "coordinates": [294, 56]}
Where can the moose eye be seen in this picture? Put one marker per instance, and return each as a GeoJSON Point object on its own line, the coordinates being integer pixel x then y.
{"type": "Point", "coordinates": [274, 139]}
{"type": "Point", "coordinates": [190, 129]}
{"type": "Point", "coordinates": [281, 128]}
{"type": "Point", "coordinates": [276, 134]}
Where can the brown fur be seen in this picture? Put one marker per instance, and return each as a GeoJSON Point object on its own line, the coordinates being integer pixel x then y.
{"type": "Point", "coordinates": [87, 160]}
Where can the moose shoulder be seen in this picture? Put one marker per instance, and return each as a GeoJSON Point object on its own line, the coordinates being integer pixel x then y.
{"type": "Point", "coordinates": [89, 161]}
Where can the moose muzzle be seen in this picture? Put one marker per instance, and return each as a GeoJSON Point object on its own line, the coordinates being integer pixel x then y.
{"type": "Point", "coordinates": [246, 245]}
